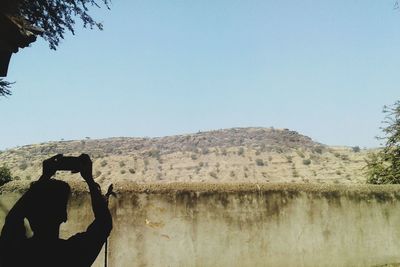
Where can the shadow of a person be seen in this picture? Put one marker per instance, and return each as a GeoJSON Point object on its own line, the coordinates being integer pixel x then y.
{"type": "Point", "coordinates": [44, 205]}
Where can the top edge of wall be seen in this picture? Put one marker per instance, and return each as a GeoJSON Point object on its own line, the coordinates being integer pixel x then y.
{"type": "Point", "coordinates": [126, 187]}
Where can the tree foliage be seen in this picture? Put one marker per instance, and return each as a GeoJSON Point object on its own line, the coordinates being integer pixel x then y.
{"type": "Point", "coordinates": [383, 167]}
{"type": "Point", "coordinates": [56, 17]}
{"type": "Point", "coordinates": [4, 88]}
{"type": "Point", "coordinates": [5, 175]}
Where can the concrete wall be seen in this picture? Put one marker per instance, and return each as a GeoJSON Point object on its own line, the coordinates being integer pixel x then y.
{"type": "Point", "coordinates": [245, 225]}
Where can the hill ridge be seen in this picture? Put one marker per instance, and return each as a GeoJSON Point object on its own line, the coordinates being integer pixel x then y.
{"type": "Point", "coordinates": [241, 154]}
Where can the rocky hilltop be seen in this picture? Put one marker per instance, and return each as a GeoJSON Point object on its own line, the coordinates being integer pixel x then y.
{"type": "Point", "coordinates": [227, 155]}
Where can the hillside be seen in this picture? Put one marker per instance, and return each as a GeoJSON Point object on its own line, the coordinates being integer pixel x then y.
{"type": "Point", "coordinates": [229, 155]}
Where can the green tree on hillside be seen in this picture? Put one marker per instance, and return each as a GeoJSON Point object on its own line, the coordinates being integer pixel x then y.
{"type": "Point", "coordinates": [5, 175]}
{"type": "Point", "coordinates": [383, 167]}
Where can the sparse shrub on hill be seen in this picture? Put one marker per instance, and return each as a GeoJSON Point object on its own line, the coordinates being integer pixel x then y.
{"type": "Point", "coordinates": [23, 166]}
{"type": "Point", "coordinates": [103, 163]}
{"type": "Point", "coordinates": [241, 151]}
{"type": "Point", "coordinates": [356, 149]}
{"type": "Point", "coordinates": [132, 171]}
{"type": "Point", "coordinates": [319, 149]}
{"type": "Point", "coordinates": [260, 162]}
{"type": "Point", "coordinates": [301, 154]}
{"type": "Point", "coordinates": [197, 169]}
{"type": "Point", "coordinates": [205, 151]}
{"type": "Point", "coordinates": [306, 161]}
{"type": "Point", "coordinates": [155, 153]}
{"type": "Point", "coordinates": [263, 148]}
{"type": "Point", "coordinates": [122, 164]}
{"type": "Point", "coordinates": [5, 175]}
{"type": "Point", "coordinates": [193, 156]}
{"type": "Point", "coordinates": [213, 175]}
{"type": "Point", "coordinates": [146, 162]}
{"type": "Point", "coordinates": [383, 167]}
{"type": "Point", "coordinates": [344, 157]}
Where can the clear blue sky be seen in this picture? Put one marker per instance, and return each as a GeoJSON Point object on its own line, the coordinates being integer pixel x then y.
{"type": "Point", "coordinates": [322, 68]}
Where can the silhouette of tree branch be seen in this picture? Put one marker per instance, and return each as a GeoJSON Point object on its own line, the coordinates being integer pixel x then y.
{"type": "Point", "coordinates": [56, 17]}
{"type": "Point", "coordinates": [5, 88]}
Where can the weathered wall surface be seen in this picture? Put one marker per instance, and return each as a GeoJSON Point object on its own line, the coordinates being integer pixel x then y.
{"type": "Point", "coordinates": [245, 225]}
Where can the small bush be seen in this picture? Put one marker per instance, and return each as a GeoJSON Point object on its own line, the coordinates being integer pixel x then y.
{"type": "Point", "coordinates": [97, 174]}
{"type": "Point", "coordinates": [260, 162]}
{"type": "Point", "coordinates": [224, 152]}
{"type": "Point", "coordinates": [289, 158]}
{"type": "Point", "coordinates": [205, 151]}
{"type": "Point", "coordinates": [193, 156]}
{"type": "Point", "coordinates": [155, 153]}
{"type": "Point", "coordinates": [241, 151]}
{"type": "Point", "coordinates": [23, 166]}
{"type": "Point", "coordinates": [213, 175]}
{"type": "Point", "coordinates": [319, 149]}
{"type": "Point", "coordinates": [132, 171]}
{"type": "Point", "coordinates": [5, 175]}
{"type": "Point", "coordinates": [103, 163]}
{"type": "Point", "coordinates": [197, 169]}
{"type": "Point", "coordinates": [122, 164]}
{"type": "Point", "coordinates": [123, 171]}
{"type": "Point", "coordinates": [301, 154]}
{"type": "Point", "coordinates": [356, 149]}
{"type": "Point", "coordinates": [344, 157]}
{"type": "Point", "coordinates": [306, 161]}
